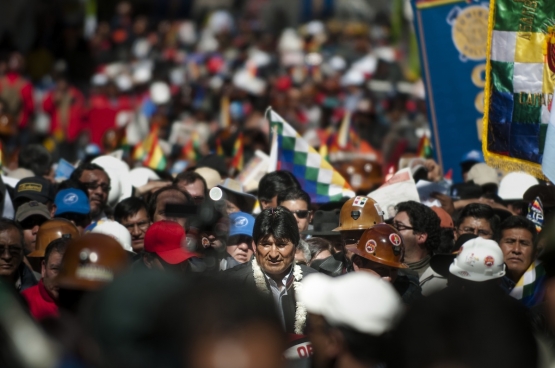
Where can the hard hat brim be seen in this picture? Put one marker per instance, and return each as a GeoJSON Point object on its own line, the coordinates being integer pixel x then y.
{"type": "Point", "coordinates": [355, 250]}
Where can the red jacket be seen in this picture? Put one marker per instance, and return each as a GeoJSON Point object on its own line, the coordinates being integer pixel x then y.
{"type": "Point", "coordinates": [14, 80]}
{"type": "Point", "coordinates": [75, 115]}
{"type": "Point", "coordinates": [102, 114]}
{"type": "Point", "coordinates": [41, 304]}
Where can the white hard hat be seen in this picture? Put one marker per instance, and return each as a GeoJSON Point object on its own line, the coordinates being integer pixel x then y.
{"type": "Point", "coordinates": [140, 176]}
{"type": "Point", "coordinates": [514, 184]}
{"type": "Point", "coordinates": [479, 260]}
{"type": "Point", "coordinates": [113, 229]}
{"type": "Point", "coordinates": [359, 300]}
{"type": "Point", "coordinates": [160, 93]}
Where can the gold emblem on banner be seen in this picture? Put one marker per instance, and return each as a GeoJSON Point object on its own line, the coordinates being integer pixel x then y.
{"type": "Point", "coordinates": [470, 32]}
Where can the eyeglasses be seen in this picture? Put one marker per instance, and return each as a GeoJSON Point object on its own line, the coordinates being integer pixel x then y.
{"type": "Point", "coordinates": [12, 250]}
{"type": "Point", "coordinates": [400, 226]}
{"type": "Point", "coordinates": [302, 214]}
{"type": "Point", "coordinates": [472, 230]}
{"type": "Point", "coordinates": [94, 185]}
{"type": "Point", "coordinates": [142, 225]}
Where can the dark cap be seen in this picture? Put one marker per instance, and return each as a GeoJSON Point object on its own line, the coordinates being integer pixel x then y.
{"type": "Point", "coordinates": [545, 192]}
{"type": "Point", "coordinates": [440, 262]}
{"type": "Point", "coordinates": [35, 188]}
{"type": "Point", "coordinates": [323, 223]}
{"type": "Point", "coordinates": [32, 208]}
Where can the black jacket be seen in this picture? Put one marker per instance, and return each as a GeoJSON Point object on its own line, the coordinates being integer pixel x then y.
{"type": "Point", "coordinates": [243, 275]}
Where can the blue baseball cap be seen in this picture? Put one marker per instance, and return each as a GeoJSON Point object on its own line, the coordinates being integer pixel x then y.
{"type": "Point", "coordinates": [241, 224]}
{"type": "Point", "coordinates": [471, 156]}
{"type": "Point", "coordinates": [73, 201]}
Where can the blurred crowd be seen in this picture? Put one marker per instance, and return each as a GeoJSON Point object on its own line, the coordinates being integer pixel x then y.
{"type": "Point", "coordinates": [107, 261]}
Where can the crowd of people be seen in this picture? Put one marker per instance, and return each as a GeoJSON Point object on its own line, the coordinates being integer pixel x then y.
{"type": "Point", "coordinates": [107, 263]}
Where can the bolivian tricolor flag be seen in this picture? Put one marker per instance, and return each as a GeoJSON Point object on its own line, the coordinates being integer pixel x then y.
{"type": "Point", "coordinates": [237, 161]}
{"type": "Point", "coordinates": [150, 153]}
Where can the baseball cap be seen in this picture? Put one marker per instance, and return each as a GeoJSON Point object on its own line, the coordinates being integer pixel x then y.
{"type": "Point", "coordinates": [113, 229]}
{"type": "Point", "coordinates": [241, 224]}
{"type": "Point", "coordinates": [32, 208]}
{"type": "Point", "coordinates": [483, 174]}
{"type": "Point", "coordinates": [72, 200]}
{"type": "Point", "coordinates": [34, 188]}
{"type": "Point", "coordinates": [164, 238]}
{"type": "Point", "coordinates": [358, 300]}
{"type": "Point", "coordinates": [472, 156]}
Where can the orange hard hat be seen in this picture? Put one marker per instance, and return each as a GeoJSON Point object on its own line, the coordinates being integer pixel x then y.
{"type": "Point", "coordinates": [359, 213]}
{"type": "Point", "coordinates": [51, 230]}
{"type": "Point", "coordinates": [382, 244]}
{"type": "Point", "coordinates": [91, 261]}
{"type": "Point", "coordinates": [363, 175]}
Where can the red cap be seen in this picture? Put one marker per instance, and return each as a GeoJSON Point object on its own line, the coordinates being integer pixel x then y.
{"type": "Point", "coordinates": [164, 238]}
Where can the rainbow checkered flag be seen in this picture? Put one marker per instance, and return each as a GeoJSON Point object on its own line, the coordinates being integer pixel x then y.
{"type": "Point", "coordinates": [520, 79]}
{"type": "Point", "coordinates": [292, 153]}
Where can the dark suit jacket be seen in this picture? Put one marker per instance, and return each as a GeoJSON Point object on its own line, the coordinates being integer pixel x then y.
{"type": "Point", "coordinates": [243, 274]}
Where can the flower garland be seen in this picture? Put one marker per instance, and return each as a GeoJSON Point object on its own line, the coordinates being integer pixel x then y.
{"type": "Point", "coordinates": [300, 310]}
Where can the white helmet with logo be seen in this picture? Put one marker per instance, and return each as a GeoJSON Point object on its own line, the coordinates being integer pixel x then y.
{"type": "Point", "coordinates": [113, 229]}
{"type": "Point", "coordinates": [479, 260]}
{"type": "Point", "coordinates": [514, 184]}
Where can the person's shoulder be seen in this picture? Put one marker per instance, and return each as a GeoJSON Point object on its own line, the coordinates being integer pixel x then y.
{"type": "Point", "coordinates": [239, 270]}
{"type": "Point", "coordinates": [307, 270]}
{"type": "Point", "coordinates": [30, 292]}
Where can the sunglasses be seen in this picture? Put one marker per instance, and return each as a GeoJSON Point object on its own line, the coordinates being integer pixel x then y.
{"type": "Point", "coordinates": [302, 214]}
{"type": "Point", "coordinates": [93, 185]}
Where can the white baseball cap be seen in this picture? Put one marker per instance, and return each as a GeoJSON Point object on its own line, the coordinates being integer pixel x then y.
{"type": "Point", "coordinates": [113, 229]}
{"type": "Point", "coordinates": [358, 300]}
{"type": "Point", "coordinates": [515, 184]}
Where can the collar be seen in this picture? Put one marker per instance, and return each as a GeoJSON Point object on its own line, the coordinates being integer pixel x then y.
{"type": "Point", "coordinates": [287, 279]}
{"type": "Point", "coordinates": [424, 262]}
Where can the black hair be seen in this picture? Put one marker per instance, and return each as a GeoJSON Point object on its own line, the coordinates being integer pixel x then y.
{"type": "Point", "coordinates": [278, 222]}
{"type": "Point", "coordinates": [72, 184]}
{"type": "Point", "coordinates": [423, 220]}
{"type": "Point", "coordinates": [275, 182]}
{"type": "Point", "coordinates": [189, 177]}
{"type": "Point", "coordinates": [7, 224]}
{"type": "Point", "coordinates": [128, 207]}
{"type": "Point", "coordinates": [479, 211]}
{"type": "Point", "coordinates": [57, 245]}
{"type": "Point", "coordinates": [518, 222]}
{"type": "Point", "coordinates": [85, 166]}
{"type": "Point", "coordinates": [447, 241]}
{"type": "Point", "coordinates": [154, 198]}
{"type": "Point", "coordinates": [294, 194]}
{"type": "Point", "coordinates": [364, 347]}
{"type": "Point", "coordinates": [36, 158]}
{"type": "Point", "coordinates": [317, 245]}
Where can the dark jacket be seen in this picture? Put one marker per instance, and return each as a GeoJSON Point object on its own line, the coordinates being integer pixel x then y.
{"type": "Point", "coordinates": [335, 265]}
{"type": "Point", "coordinates": [243, 275]}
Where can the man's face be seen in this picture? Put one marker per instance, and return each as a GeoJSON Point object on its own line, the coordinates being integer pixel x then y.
{"type": "Point", "coordinates": [518, 251]}
{"type": "Point", "coordinates": [11, 252]}
{"type": "Point", "coordinates": [275, 256]}
{"type": "Point", "coordinates": [402, 223]}
{"type": "Point", "coordinates": [195, 189]}
{"type": "Point", "coordinates": [98, 187]}
{"type": "Point", "coordinates": [268, 204]}
{"type": "Point", "coordinates": [241, 252]}
{"type": "Point", "coordinates": [50, 271]}
{"type": "Point", "coordinates": [169, 197]}
{"type": "Point", "coordinates": [301, 212]}
{"type": "Point", "coordinates": [137, 225]}
{"type": "Point", "coordinates": [30, 228]}
{"type": "Point", "coordinates": [477, 226]}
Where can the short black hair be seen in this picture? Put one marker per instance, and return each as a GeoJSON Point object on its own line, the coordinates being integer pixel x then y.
{"type": "Point", "coordinates": [294, 194]}
{"type": "Point", "coordinates": [273, 183]}
{"type": "Point", "coordinates": [7, 224]}
{"type": "Point", "coordinates": [423, 220]}
{"type": "Point", "coordinates": [85, 166]}
{"type": "Point", "coordinates": [189, 177]}
{"type": "Point", "coordinates": [518, 222]}
{"type": "Point", "coordinates": [278, 222]}
{"type": "Point", "coordinates": [128, 207]}
{"type": "Point", "coordinates": [318, 245]}
{"type": "Point", "coordinates": [57, 245]}
{"type": "Point", "coordinates": [154, 198]}
{"type": "Point", "coordinates": [479, 211]}
{"type": "Point", "coordinates": [35, 157]}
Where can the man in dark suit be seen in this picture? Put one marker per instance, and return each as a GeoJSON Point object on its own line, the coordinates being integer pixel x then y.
{"type": "Point", "coordinates": [272, 269]}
